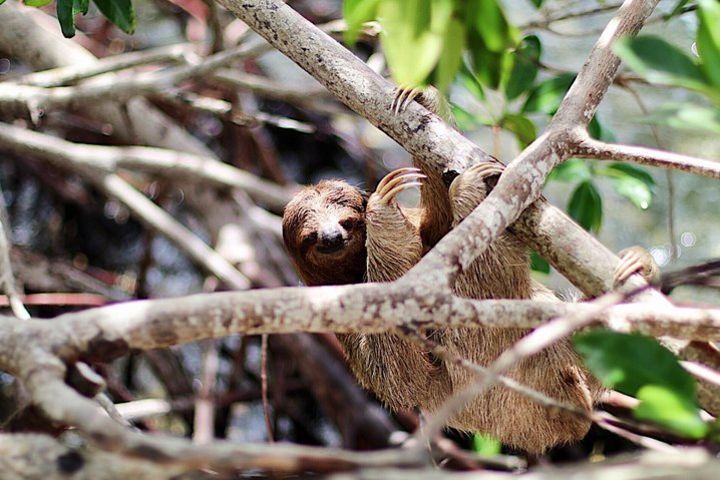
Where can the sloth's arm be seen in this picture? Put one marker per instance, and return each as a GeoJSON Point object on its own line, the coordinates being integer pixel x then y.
{"type": "Point", "coordinates": [393, 241]}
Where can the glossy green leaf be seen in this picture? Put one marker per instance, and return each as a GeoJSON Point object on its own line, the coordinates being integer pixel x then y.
{"type": "Point", "coordinates": [631, 182]}
{"type": "Point", "coordinates": [632, 171]}
{"type": "Point", "coordinates": [119, 12]}
{"type": "Point", "coordinates": [665, 407]}
{"type": "Point", "coordinates": [523, 128]}
{"type": "Point", "coordinates": [634, 190]}
{"type": "Point", "coordinates": [546, 96]}
{"type": "Point", "coordinates": [638, 365]}
{"type": "Point", "coordinates": [660, 62]}
{"type": "Point", "coordinates": [585, 206]}
{"type": "Point", "coordinates": [37, 3]}
{"type": "Point", "coordinates": [485, 445]}
{"type": "Point", "coordinates": [685, 117]}
{"type": "Point", "coordinates": [538, 263]}
{"type": "Point", "coordinates": [451, 58]}
{"type": "Point", "coordinates": [708, 39]}
{"type": "Point", "coordinates": [487, 19]}
{"type": "Point", "coordinates": [524, 67]}
{"type": "Point", "coordinates": [81, 6]}
{"type": "Point", "coordinates": [356, 13]}
{"type": "Point", "coordinates": [66, 17]}
{"type": "Point", "coordinates": [571, 170]}
{"type": "Point", "coordinates": [628, 361]}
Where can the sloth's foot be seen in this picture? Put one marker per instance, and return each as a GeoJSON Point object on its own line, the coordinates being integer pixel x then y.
{"type": "Point", "coordinates": [469, 189]}
{"type": "Point", "coordinates": [636, 260]}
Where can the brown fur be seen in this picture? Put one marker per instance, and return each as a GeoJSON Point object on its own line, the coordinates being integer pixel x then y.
{"type": "Point", "coordinates": [402, 374]}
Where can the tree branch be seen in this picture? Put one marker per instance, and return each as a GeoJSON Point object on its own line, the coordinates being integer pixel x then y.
{"type": "Point", "coordinates": [591, 148]}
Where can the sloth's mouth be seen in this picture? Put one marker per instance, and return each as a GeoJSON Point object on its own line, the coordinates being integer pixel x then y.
{"type": "Point", "coordinates": [334, 247]}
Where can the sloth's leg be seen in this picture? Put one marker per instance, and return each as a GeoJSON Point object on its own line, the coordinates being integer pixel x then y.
{"type": "Point", "coordinates": [399, 371]}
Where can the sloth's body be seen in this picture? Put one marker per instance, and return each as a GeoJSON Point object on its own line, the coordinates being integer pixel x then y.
{"type": "Point", "coordinates": [397, 370]}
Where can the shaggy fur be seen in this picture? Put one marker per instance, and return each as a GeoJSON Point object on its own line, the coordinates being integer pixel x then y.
{"type": "Point", "coordinates": [384, 244]}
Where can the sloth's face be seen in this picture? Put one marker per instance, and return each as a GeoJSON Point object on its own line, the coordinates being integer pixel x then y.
{"type": "Point", "coordinates": [324, 231]}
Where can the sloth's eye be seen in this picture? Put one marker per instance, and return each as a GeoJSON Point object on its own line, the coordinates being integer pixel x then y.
{"type": "Point", "coordinates": [347, 224]}
{"type": "Point", "coordinates": [309, 240]}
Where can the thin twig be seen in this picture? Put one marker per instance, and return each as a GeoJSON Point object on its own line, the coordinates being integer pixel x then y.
{"type": "Point", "coordinates": [264, 386]}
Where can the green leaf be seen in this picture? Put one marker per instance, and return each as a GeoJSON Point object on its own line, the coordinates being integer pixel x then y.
{"type": "Point", "coordinates": [631, 182]}
{"type": "Point", "coordinates": [537, 3]}
{"type": "Point", "coordinates": [356, 13]}
{"type": "Point", "coordinates": [471, 82]}
{"type": "Point", "coordinates": [523, 128]}
{"type": "Point", "coordinates": [638, 365]}
{"type": "Point", "coordinates": [598, 130]}
{"type": "Point", "coordinates": [81, 6]}
{"type": "Point", "coordinates": [546, 96]}
{"type": "Point", "coordinates": [487, 19]}
{"type": "Point", "coordinates": [119, 12]}
{"type": "Point", "coordinates": [628, 361]}
{"type": "Point", "coordinates": [451, 58]}
{"type": "Point", "coordinates": [634, 190]}
{"type": "Point", "coordinates": [66, 17]}
{"type": "Point", "coordinates": [2, 1]}
{"type": "Point", "coordinates": [412, 37]}
{"type": "Point", "coordinates": [660, 62]}
{"type": "Point", "coordinates": [708, 39]}
{"type": "Point", "coordinates": [679, 7]}
{"type": "Point", "coordinates": [524, 68]}
{"type": "Point", "coordinates": [538, 263]}
{"type": "Point", "coordinates": [665, 407]}
{"type": "Point", "coordinates": [468, 121]}
{"type": "Point", "coordinates": [585, 206]}
{"type": "Point", "coordinates": [571, 170]}
{"type": "Point", "coordinates": [486, 65]}
{"type": "Point", "coordinates": [485, 445]}
{"type": "Point", "coordinates": [686, 117]}
{"type": "Point", "coordinates": [37, 3]}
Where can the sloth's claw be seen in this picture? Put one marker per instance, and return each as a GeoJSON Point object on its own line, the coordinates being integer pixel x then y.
{"type": "Point", "coordinates": [403, 97]}
{"type": "Point", "coordinates": [484, 170]}
{"type": "Point", "coordinates": [635, 260]}
{"type": "Point", "coordinates": [390, 176]}
{"type": "Point", "coordinates": [396, 181]}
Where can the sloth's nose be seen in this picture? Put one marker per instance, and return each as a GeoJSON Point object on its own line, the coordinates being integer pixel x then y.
{"type": "Point", "coordinates": [448, 176]}
{"type": "Point", "coordinates": [331, 239]}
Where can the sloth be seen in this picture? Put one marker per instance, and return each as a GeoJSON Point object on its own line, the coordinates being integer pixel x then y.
{"type": "Point", "coordinates": [336, 234]}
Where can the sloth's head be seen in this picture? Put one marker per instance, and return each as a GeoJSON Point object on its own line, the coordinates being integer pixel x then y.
{"type": "Point", "coordinates": [324, 231]}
